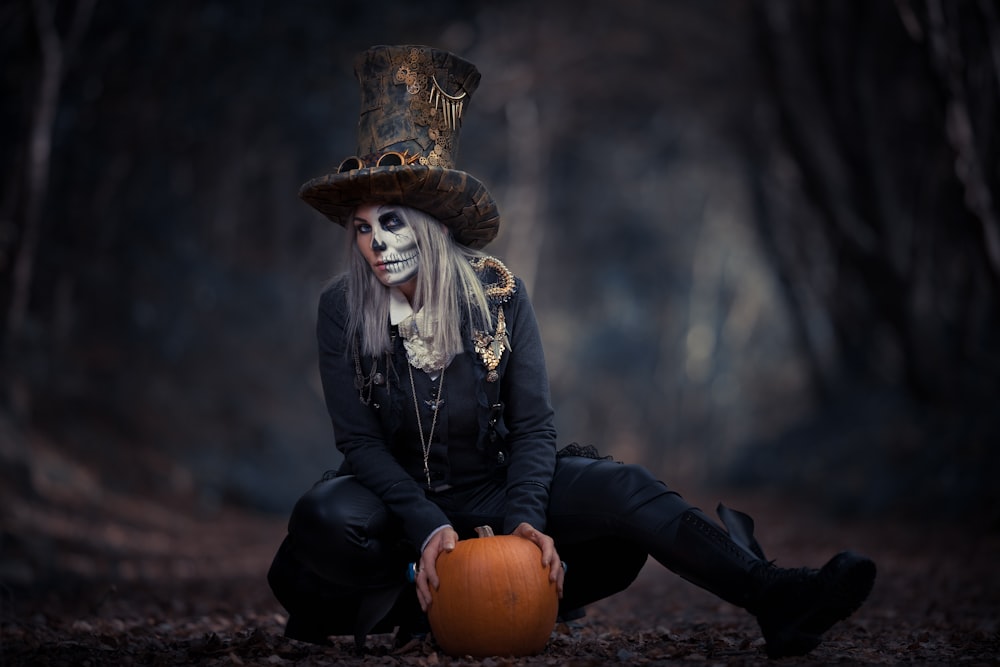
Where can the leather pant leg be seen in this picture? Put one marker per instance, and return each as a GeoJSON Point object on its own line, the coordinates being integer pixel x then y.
{"type": "Point", "coordinates": [614, 514]}
{"type": "Point", "coordinates": [341, 568]}
{"type": "Point", "coordinates": [592, 508]}
{"type": "Point", "coordinates": [794, 607]}
{"type": "Point", "coordinates": [596, 498]}
{"type": "Point", "coordinates": [344, 533]}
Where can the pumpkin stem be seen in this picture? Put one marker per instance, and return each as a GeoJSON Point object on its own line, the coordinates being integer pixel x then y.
{"type": "Point", "coordinates": [484, 531]}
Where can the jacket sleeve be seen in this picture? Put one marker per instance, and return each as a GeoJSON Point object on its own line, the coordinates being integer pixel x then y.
{"type": "Point", "coordinates": [358, 431]}
{"type": "Point", "coordinates": [528, 415]}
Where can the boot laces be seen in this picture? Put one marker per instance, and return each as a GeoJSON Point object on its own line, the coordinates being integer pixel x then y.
{"type": "Point", "coordinates": [780, 589]}
{"type": "Point", "coordinates": [769, 574]}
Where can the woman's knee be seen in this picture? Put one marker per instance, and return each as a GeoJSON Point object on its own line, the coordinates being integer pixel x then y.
{"type": "Point", "coordinates": [345, 533]}
{"type": "Point", "coordinates": [338, 507]}
{"type": "Point", "coordinates": [605, 485]}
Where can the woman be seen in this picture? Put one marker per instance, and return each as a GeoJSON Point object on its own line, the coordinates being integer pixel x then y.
{"type": "Point", "coordinates": [435, 382]}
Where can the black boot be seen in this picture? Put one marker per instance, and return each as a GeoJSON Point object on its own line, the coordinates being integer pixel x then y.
{"type": "Point", "coordinates": [794, 607]}
{"type": "Point", "coordinates": [318, 608]}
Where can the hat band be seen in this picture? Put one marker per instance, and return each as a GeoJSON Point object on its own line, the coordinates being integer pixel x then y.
{"type": "Point", "coordinates": [387, 159]}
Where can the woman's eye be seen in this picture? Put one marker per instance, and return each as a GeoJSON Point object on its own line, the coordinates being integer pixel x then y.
{"type": "Point", "coordinates": [363, 228]}
{"type": "Point", "coordinates": [390, 221]}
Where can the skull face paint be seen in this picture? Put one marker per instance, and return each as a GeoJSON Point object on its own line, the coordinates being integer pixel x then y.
{"type": "Point", "coordinates": [388, 244]}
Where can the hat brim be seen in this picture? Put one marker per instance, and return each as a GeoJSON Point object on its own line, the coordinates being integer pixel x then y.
{"type": "Point", "coordinates": [454, 197]}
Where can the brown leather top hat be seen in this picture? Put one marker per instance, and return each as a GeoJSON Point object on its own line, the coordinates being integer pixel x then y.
{"type": "Point", "coordinates": [412, 102]}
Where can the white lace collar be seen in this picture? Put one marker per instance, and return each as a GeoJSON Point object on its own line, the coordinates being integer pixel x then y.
{"type": "Point", "coordinates": [413, 327]}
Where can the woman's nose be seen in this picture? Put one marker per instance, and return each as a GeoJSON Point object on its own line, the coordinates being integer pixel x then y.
{"type": "Point", "coordinates": [377, 245]}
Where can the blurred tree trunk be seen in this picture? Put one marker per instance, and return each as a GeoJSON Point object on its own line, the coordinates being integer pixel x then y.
{"type": "Point", "coordinates": [899, 261]}
{"type": "Point", "coordinates": [963, 130]}
{"type": "Point", "coordinates": [528, 157]}
{"type": "Point", "coordinates": [56, 53]}
{"type": "Point", "coordinates": [876, 164]}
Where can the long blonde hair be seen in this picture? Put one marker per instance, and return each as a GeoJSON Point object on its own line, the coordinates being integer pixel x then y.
{"type": "Point", "coordinates": [448, 289]}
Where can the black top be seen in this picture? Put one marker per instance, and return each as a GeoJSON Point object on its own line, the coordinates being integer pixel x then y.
{"type": "Point", "coordinates": [376, 428]}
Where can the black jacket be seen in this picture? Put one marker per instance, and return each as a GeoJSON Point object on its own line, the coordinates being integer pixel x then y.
{"type": "Point", "coordinates": [519, 446]}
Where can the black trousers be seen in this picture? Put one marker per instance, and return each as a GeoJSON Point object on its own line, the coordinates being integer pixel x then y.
{"type": "Point", "coordinates": [343, 543]}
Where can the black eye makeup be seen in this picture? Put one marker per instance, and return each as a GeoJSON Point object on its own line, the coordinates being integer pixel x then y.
{"type": "Point", "coordinates": [390, 220]}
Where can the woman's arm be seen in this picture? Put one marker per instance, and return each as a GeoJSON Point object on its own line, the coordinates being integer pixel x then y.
{"type": "Point", "coordinates": [358, 431]}
{"type": "Point", "coordinates": [528, 416]}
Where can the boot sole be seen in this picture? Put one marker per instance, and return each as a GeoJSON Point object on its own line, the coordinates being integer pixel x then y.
{"type": "Point", "coordinates": [846, 582]}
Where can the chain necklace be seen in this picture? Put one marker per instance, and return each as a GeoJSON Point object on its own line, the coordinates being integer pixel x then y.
{"type": "Point", "coordinates": [425, 445]}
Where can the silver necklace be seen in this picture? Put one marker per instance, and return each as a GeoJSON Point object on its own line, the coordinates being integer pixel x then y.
{"type": "Point", "coordinates": [425, 445]}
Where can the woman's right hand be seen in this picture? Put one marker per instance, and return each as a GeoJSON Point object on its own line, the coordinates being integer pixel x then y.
{"type": "Point", "coordinates": [443, 540]}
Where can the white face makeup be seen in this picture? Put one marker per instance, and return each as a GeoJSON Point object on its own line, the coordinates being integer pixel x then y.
{"type": "Point", "coordinates": [387, 243]}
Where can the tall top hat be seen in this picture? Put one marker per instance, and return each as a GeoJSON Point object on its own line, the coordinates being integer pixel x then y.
{"type": "Point", "coordinates": [412, 102]}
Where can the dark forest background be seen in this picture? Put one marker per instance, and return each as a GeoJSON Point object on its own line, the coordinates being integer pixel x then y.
{"type": "Point", "coordinates": [762, 237]}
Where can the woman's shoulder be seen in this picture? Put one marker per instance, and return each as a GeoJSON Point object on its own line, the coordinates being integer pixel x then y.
{"type": "Point", "coordinates": [334, 294]}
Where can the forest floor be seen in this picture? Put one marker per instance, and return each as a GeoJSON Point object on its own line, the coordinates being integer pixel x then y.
{"type": "Point", "coordinates": [104, 580]}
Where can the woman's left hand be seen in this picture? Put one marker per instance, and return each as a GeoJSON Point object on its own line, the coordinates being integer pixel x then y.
{"type": "Point", "coordinates": [550, 557]}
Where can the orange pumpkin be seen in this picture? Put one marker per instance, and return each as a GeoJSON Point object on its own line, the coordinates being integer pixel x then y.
{"type": "Point", "coordinates": [495, 598]}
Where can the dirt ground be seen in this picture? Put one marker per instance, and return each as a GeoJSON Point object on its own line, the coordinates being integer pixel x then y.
{"type": "Point", "coordinates": [120, 581]}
